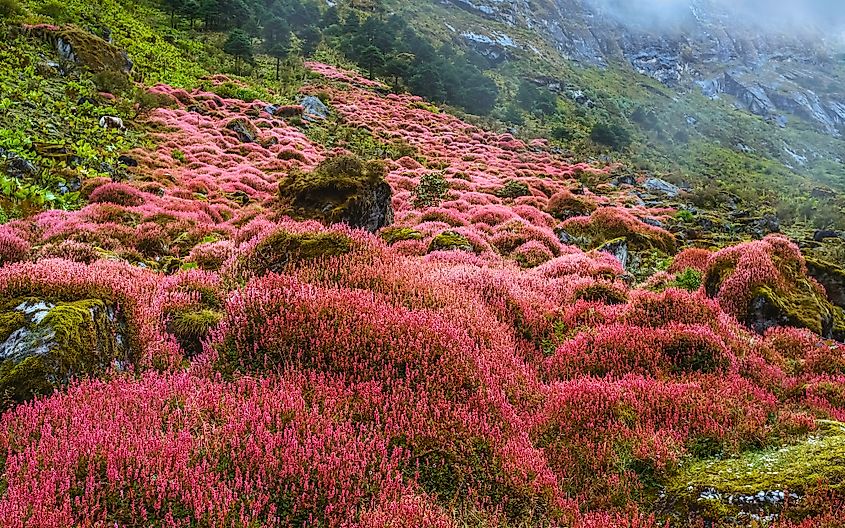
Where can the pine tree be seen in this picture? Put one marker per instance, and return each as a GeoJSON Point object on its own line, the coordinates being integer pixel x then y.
{"type": "Point", "coordinates": [239, 45]}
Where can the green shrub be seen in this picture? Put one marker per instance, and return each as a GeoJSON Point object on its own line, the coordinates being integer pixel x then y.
{"type": "Point", "coordinates": [612, 135]}
{"type": "Point", "coordinates": [55, 10]}
{"type": "Point", "coordinates": [689, 279]}
{"type": "Point", "coordinates": [431, 190]}
{"type": "Point", "coordinates": [513, 189]}
{"type": "Point", "coordinates": [10, 8]}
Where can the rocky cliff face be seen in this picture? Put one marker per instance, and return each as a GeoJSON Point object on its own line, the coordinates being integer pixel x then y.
{"type": "Point", "coordinates": [778, 73]}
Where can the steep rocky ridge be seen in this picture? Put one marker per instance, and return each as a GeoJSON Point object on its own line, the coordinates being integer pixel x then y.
{"type": "Point", "coordinates": [768, 71]}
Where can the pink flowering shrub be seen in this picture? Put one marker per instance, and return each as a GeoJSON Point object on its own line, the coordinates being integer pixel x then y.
{"type": "Point", "coordinates": [13, 248]}
{"type": "Point", "coordinates": [117, 193]}
{"type": "Point", "coordinates": [694, 258]}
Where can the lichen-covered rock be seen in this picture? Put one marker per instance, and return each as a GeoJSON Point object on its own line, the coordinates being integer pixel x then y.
{"type": "Point", "coordinates": [313, 109]}
{"type": "Point", "coordinates": [344, 189]}
{"type": "Point", "coordinates": [44, 344]}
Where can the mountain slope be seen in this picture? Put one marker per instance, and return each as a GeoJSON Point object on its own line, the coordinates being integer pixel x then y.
{"type": "Point", "coordinates": [321, 303]}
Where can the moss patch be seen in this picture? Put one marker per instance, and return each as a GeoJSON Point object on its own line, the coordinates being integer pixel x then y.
{"type": "Point", "coordinates": [449, 240]}
{"type": "Point", "coordinates": [283, 248]}
{"type": "Point", "coordinates": [761, 483]}
{"type": "Point", "coordinates": [392, 235]}
{"type": "Point", "coordinates": [191, 325]}
{"type": "Point", "coordinates": [88, 50]}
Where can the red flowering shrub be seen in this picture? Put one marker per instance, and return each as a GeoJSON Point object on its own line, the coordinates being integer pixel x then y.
{"type": "Point", "coordinates": [621, 349]}
{"type": "Point", "coordinates": [694, 258]}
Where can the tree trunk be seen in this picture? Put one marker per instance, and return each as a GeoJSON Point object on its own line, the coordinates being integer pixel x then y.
{"type": "Point", "coordinates": [278, 63]}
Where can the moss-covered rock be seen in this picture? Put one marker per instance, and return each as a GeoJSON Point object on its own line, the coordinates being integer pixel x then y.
{"type": "Point", "coordinates": [244, 129]}
{"type": "Point", "coordinates": [191, 325]}
{"type": "Point", "coordinates": [392, 235]}
{"type": "Point", "coordinates": [449, 240]}
{"type": "Point", "coordinates": [766, 283]}
{"type": "Point", "coordinates": [92, 52]}
{"type": "Point", "coordinates": [344, 189]}
{"type": "Point", "coordinates": [513, 189]}
{"type": "Point", "coordinates": [760, 485]}
{"type": "Point", "coordinates": [43, 345]}
{"type": "Point", "coordinates": [607, 224]}
{"type": "Point", "coordinates": [284, 248]}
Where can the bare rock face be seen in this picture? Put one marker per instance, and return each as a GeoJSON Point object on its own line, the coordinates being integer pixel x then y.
{"type": "Point", "coordinates": [717, 47]}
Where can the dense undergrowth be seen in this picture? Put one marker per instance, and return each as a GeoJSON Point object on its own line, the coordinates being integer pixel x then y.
{"type": "Point", "coordinates": [484, 360]}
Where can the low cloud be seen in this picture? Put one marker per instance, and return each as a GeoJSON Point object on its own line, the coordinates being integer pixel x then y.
{"type": "Point", "coordinates": [780, 15]}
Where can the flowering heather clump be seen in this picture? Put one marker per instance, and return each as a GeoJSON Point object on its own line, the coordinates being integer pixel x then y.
{"type": "Point", "coordinates": [117, 193]}
{"type": "Point", "coordinates": [532, 254]}
{"type": "Point", "coordinates": [692, 258]}
{"type": "Point", "coordinates": [623, 349]}
{"type": "Point", "coordinates": [13, 248]}
{"type": "Point", "coordinates": [608, 223]}
{"type": "Point", "coordinates": [765, 284]}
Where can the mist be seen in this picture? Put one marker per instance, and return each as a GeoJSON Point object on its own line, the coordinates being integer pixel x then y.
{"type": "Point", "coordinates": [823, 16]}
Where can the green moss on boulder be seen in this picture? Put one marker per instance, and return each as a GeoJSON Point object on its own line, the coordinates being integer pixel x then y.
{"type": "Point", "coordinates": [343, 189]}
{"type": "Point", "coordinates": [392, 235]}
{"type": "Point", "coordinates": [449, 240]}
{"type": "Point", "coordinates": [284, 248]}
{"type": "Point", "coordinates": [761, 484]}
{"type": "Point", "coordinates": [84, 48]}
{"type": "Point", "coordinates": [43, 345]}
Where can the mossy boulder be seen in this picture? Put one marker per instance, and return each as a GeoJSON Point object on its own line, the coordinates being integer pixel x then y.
{"type": "Point", "coordinates": [343, 189]}
{"type": "Point", "coordinates": [794, 300]}
{"type": "Point", "coordinates": [802, 307]}
{"type": "Point", "coordinates": [283, 248]}
{"type": "Point", "coordinates": [244, 129]}
{"type": "Point", "coordinates": [395, 234]}
{"type": "Point", "coordinates": [86, 49]}
{"type": "Point", "coordinates": [761, 485]}
{"type": "Point", "coordinates": [449, 240]}
{"type": "Point", "coordinates": [608, 224]}
{"type": "Point", "coordinates": [513, 189]}
{"type": "Point", "coordinates": [44, 344]}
